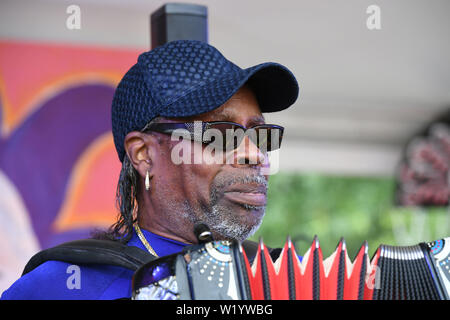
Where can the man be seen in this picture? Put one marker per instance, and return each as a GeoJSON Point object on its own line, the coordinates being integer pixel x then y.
{"type": "Point", "coordinates": [160, 198]}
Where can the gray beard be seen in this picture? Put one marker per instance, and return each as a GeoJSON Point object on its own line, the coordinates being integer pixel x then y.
{"type": "Point", "coordinates": [221, 219]}
{"type": "Point", "coordinates": [223, 222]}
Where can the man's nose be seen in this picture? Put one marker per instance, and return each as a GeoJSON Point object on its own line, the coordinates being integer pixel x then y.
{"type": "Point", "coordinates": [248, 153]}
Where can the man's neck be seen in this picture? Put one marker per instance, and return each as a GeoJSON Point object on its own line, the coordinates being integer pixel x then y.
{"type": "Point", "coordinates": [160, 229]}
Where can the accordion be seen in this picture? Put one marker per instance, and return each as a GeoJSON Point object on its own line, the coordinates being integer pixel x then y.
{"type": "Point", "coordinates": [221, 270]}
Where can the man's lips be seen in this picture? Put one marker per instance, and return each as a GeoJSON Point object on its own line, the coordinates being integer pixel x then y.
{"type": "Point", "coordinates": [250, 194]}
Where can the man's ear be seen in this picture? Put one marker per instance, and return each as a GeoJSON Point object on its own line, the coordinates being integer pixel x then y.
{"type": "Point", "coordinates": [140, 148]}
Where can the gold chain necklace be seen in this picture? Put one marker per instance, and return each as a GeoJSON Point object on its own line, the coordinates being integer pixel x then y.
{"type": "Point", "coordinates": [143, 240]}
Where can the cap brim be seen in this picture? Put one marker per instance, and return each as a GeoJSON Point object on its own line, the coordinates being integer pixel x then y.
{"type": "Point", "coordinates": [275, 88]}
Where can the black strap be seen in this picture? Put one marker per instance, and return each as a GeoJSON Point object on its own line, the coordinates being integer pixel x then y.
{"type": "Point", "coordinates": [92, 251]}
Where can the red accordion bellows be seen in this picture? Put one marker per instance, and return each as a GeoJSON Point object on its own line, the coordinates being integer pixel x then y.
{"type": "Point", "coordinates": [336, 277]}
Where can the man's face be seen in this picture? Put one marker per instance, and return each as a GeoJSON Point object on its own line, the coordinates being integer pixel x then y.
{"type": "Point", "coordinates": [228, 196]}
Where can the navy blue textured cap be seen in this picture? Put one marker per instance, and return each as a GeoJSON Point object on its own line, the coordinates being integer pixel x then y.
{"type": "Point", "coordinates": [186, 78]}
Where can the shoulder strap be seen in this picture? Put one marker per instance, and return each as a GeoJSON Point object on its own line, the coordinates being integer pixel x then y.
{"type": "Point", "coordinates": [92, 251]}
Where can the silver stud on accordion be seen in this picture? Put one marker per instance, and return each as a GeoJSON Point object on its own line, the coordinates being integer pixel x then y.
{"type": "Point", "coordinates": [221, 270]}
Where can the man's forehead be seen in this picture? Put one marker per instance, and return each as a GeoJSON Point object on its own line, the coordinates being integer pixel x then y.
{"type": "Point", "coordinates": [227, 114]}
{"type": "Point", "coordinates": [242, 108]}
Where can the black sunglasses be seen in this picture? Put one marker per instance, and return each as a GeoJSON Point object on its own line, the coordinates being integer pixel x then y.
{"type": "Point", "coordinates": [224, 135]}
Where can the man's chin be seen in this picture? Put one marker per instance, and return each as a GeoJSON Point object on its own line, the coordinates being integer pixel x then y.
{"type": "Point", "coordinates": [250, 215]}
{"type": "Point", "coordinates": [236, 221]}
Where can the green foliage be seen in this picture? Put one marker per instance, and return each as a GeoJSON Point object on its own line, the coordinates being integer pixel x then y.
{"type": "Point", "coordinates": [356, 208]}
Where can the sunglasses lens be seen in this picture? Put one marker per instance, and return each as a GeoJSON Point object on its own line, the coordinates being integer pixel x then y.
{"type": "Point", "coordinates": [268, 137]}
{"type": "Point", "coordinates": [228, 136]}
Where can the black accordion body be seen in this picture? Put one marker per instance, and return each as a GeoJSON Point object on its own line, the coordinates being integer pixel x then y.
{"type": "Point", "coordinates": [220, 270]}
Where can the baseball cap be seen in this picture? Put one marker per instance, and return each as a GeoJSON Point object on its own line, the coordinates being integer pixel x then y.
{"type": "Point", "coordinates": [187, 77]}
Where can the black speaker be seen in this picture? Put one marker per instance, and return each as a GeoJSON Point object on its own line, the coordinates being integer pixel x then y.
{"type": "Point", "coordinates": [179, 21]}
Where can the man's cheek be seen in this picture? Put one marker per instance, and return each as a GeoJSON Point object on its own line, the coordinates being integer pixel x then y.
{"type": "Point", "coordinates": [199, 184]}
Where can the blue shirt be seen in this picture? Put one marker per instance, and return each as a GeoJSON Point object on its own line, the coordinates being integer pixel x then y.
{"type": "Point", "coordinates": [52, 279]}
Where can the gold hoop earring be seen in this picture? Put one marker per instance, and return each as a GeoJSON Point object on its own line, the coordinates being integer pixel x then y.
{"type": "Point", "coordinates": [147, 181]}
